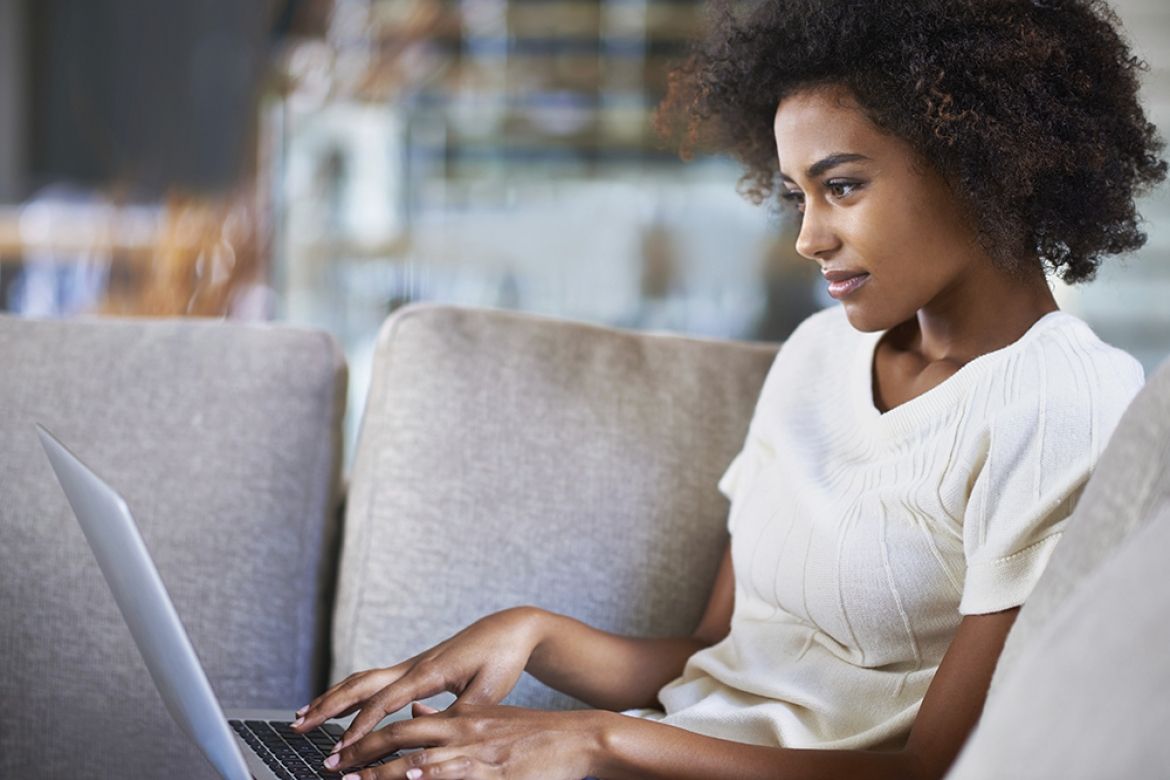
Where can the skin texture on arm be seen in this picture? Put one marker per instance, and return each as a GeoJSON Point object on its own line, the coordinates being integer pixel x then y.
{"type": "Point", "coordinates": [468, 741]}
{"type": "Point", "coordinates": [948, 714]}
{"type": "Point", "coordinates": [482, 663]}
{"type": "Point", "coordinates": [619, 673]}
{"type": "Point", "coordinates": [472, 741]}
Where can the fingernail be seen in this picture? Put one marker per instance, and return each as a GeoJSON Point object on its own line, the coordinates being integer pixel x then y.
{"type": "Point", "coordinates": [332, 761]}
{"type": "Point", "coordinates": [337, 746]}
{"type": "Point", "coordinates": [351, 777]}
{"type": "Point", "coordinates": [303, 710]}
{"type": "Point", "coordinates": [413, 774]}
{"type": "Point", "coordinates": [297, 722]}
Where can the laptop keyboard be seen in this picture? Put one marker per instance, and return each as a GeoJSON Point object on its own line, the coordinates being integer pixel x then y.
{"type": "Point", "coordinates": [293, 756]}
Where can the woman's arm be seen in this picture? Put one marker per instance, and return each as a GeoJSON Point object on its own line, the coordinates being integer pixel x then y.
{"type": "Point", "coordinates": [619, 673]}
{"type": "Point", "coordinates": [948, 713]}
{"type": "Point", "coordinates": [482, 663]}
{"type": "Point", "coordinates": [473, 742]}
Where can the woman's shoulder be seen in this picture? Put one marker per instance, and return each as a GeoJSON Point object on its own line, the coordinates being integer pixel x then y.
{"type": "Point", "coordinates": [1069, 345]}
{"type": "Point", "coordinates": [1065, 367]}
{"type": "Point", "coordinates": [816, 360]}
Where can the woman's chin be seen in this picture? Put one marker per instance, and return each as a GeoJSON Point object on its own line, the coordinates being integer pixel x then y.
{"type": "Point", "coordinates": [861, 319]}
{"type": "Point", "coordinates": [867, 318]}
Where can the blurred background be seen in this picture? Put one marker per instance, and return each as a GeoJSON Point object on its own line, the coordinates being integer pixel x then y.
{"type": "Point", "coordinates": [323, 162]}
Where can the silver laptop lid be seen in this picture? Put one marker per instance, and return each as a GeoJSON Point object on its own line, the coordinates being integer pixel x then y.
{"type": "Point", "coordinates": [124, 560]}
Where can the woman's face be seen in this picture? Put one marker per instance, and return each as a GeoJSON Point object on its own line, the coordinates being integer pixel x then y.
{"type": "Point", "coordinates": [871, 206]}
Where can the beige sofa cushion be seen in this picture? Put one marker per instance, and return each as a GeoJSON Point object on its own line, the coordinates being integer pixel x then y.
{"type": "Point", "coordinates": [225, 441]}
{"type": "Point", "coordinates": [508, 459]}
{"type": "Point", "coordinates": [1082, 689]}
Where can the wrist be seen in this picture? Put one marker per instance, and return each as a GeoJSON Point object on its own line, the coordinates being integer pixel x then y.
{"type": "Point", "coordinates": [599, 730]}
{"type": "Point", "coordinates": [529, 625]}
{"type": "Point", "coordinates": [538, 626]}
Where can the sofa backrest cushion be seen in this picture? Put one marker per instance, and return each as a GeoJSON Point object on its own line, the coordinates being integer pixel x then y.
{"type": "Point", "coordinates": [224, 440]}
{"type": "Point", "coordinates": [1082, 689]}
{"type": "Point", "coordinates": [508, 459]}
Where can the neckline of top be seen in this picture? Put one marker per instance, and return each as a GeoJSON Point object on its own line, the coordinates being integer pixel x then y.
{"type": "Point", "coordinates": [923, 408]}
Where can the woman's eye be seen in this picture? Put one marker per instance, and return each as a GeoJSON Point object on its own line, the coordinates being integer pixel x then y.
{"type": "Point", "coordinates": [842, 189]}
{"type": "Point", "coordinates": [793, 197]}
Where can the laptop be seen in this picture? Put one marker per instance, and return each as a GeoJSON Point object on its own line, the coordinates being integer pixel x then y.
{"type": "Point", "coordinates": [246, 744]}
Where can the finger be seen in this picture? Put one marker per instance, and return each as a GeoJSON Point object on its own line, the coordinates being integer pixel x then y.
{"type": "Point", "coordinates": [421, 681]}
{"type": "Point", "coordinates": [316, 702]}
{"type": "Point", "coordinates": [312, 715]}
{"type": "Point", "coordinates": [318, 699]}
{"type": "Point", "coordinates": [482, 689]}
{"type": "Point", "coordinates": [345, 697]}
{"type": "Point", "coordinates": [445, 763]}
{"type": "Point", "coordinates": [457, 768]}
{"type": "Point", "coordinates": [418, 709]}
{"type": "Point", "coordinates": [399, 735]}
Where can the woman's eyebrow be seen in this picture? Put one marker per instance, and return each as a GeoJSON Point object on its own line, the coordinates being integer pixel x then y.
{"type": "Point", "coordinates": [828, 163]}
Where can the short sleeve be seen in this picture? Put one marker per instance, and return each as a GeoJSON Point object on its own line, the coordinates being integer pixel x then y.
{"type": "Point", "coordinates": [755, 450]}
{"type": "Point", "coordinates": [740, 482]}
{"type": "Point", "coordinates": [1040, 453]}
{"type": "Point", "coordinates": [730, 478]}
{"type": "Point", "coordinates": [743, 467]}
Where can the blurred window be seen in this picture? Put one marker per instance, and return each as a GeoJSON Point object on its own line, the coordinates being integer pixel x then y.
{"type": "Point", "coordinates": [326, 161]}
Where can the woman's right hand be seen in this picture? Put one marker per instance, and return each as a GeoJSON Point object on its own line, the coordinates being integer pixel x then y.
{"type": "Point", "coordinates": [480, 665]}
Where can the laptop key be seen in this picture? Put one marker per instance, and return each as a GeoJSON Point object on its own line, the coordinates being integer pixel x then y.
{"type": "Point", "coordinates": [323, 749]}
{"type": "Point", "coordinates": [280, 771]}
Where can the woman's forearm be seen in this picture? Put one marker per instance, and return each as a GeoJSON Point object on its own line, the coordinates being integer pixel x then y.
{"type": "Point", "coordinates": [633, 748]}
{"type": "Point", "coordinates": [605, 670]}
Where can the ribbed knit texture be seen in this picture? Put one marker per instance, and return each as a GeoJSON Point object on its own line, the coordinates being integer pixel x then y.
{"type": "Point", "coordinates": [860, 539]}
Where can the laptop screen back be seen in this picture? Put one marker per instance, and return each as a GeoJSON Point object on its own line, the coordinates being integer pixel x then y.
{"type": "Point", "coordinates": [151, 617]}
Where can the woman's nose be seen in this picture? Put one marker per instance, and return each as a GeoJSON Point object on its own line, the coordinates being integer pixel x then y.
{"type": "Point", "coordinates": [817, 239]}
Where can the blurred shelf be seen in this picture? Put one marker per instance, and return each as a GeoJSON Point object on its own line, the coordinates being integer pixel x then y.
{"type": "Point", "coordinates": [74, 230]}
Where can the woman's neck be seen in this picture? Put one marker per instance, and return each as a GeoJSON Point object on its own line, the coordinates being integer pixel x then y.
{"type": "Point", "coordinates": [977, 317]}
{"type": "Point", "coordinates": [989, 311]}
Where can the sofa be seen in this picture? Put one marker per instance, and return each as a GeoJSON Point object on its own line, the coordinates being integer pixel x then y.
{"type": "Point", "coordinates": [502, 459]}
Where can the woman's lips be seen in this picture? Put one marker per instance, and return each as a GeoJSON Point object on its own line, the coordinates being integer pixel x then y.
{"type": "Point", "coordinates": [844, 287]}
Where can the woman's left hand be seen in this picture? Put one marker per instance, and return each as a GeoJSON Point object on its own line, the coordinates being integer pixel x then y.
{"type": "Point", "coordinates": [478, 742]}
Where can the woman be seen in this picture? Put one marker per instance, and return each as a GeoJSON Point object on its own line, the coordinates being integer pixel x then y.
{"type": "Point", "coordinates": [915, 450]}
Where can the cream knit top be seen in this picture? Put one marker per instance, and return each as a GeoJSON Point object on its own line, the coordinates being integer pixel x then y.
{"type": "Point", "coordinates": [860, 539]}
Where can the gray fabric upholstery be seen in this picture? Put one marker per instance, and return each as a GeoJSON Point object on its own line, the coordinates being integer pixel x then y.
{"type": "Point", "coordinates": [224, 439]}
{"type": "Point", "coordinates": [1091, 700]}
{"type": "Point", "coordinates": [507, 459]}
{"type": "Point", "coordinates": [1082, 689]}
{"type": "Point", "coordinates": [504, 459]}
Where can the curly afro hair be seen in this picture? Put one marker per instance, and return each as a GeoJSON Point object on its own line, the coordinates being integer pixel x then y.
{"type": "Point", "coordinates": [1029, 109]}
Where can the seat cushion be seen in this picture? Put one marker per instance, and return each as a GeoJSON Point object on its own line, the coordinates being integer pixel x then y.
{"type": "Point", "coordinates": [508, 459]}
{"type": "Point", "coordinates": [1081, 687]}
{"type": "Point", "coordinates": [224, 440]}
